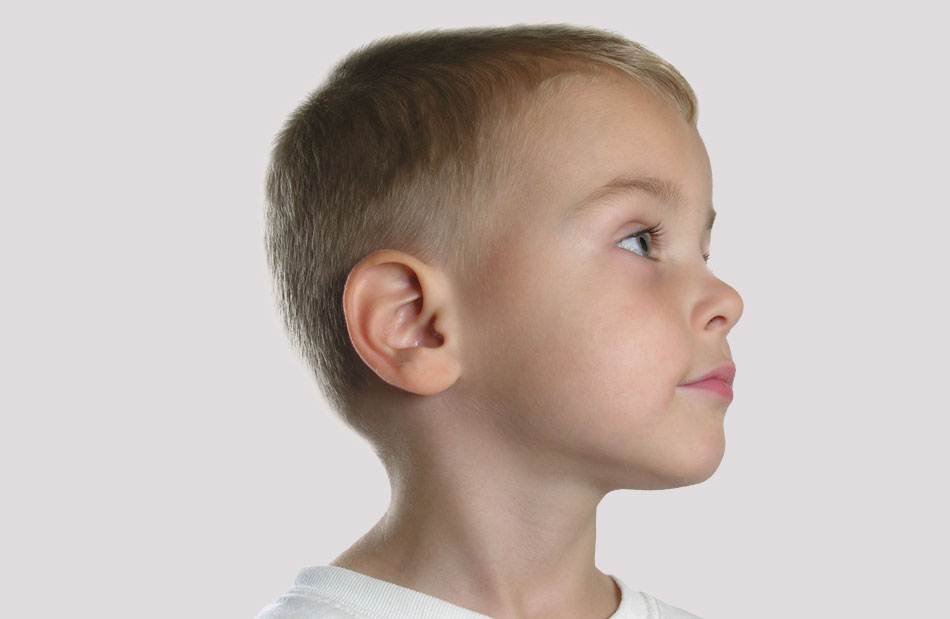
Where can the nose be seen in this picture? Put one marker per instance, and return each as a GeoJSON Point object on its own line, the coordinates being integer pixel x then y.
{"type": "Point", "coordinates": [719, 308]}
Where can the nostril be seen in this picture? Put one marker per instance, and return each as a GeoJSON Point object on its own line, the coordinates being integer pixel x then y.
{"type": "Point", "coordinates": [717, 322]}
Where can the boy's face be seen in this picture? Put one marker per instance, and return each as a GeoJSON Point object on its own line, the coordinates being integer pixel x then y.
{"type": "Point", "coordinates": [580, 340]}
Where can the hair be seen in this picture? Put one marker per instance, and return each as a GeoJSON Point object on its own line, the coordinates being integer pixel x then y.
{"type": "Point", "coordinates": [402, 148]}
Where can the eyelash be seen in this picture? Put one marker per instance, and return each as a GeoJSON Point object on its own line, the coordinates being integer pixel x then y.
{"type": "Point", "coordinates": [656, 233]}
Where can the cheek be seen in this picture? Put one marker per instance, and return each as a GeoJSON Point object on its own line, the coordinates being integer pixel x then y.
{"type": "Point", "coordinates": [615, 363]}
{"type": "Point", "coordinates": [614, 331]}
{"type": "Point", "coordinates": [521, 340]}
{"type": "Point", "coordinates": [643, 327]}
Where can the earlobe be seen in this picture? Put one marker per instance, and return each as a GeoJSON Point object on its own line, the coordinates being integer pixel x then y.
{"type": "Point", "coordinates": [400, 321]}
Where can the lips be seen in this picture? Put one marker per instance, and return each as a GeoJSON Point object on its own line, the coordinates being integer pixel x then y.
{"type": "Point", "coordinates": [718, 381]}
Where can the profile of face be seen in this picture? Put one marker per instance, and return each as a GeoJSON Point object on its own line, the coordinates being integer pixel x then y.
{"type": "Point", "coordinates": [592, 325]}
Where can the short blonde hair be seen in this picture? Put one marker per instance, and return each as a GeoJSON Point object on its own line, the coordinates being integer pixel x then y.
{"type": "Point", "coordinates": [398, 150]}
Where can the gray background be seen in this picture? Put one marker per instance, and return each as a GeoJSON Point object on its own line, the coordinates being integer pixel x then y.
{"type": "Point", "coordinates": [162, 446]}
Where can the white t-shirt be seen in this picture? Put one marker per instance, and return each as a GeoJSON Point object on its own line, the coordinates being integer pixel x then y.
{"type": "Point", "coordinates": [330, 592]}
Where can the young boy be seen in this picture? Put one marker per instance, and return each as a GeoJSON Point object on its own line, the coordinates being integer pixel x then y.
{"type": "Point", "coordinates": [491, 247]}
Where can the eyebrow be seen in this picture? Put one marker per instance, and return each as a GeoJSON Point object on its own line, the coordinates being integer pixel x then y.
{"type": "Point", "coordinates": [666, 192]}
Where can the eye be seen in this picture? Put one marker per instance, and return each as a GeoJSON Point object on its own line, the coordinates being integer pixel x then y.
{"type": "Point", "coordinates": [643, 241]}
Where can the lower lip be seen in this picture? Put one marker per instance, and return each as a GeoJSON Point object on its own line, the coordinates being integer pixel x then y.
{"type": "Point", "coordinates": [715, 386]}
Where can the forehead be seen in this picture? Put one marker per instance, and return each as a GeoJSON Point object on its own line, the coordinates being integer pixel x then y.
{"type": "Point", "coordinates": [587, 139]}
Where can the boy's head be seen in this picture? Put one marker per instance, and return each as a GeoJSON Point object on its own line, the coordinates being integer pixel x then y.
{"type": "Point", "coordinates": [456, 221]}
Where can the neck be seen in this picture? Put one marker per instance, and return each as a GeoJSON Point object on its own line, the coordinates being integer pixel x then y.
{"type": "Point", "coordinates": [502, 537]}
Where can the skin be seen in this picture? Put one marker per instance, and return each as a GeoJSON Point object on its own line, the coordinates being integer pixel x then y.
{"type": "Point", "coordinates": [521, 403]}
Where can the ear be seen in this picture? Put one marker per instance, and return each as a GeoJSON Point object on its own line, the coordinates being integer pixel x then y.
{"type": "Point", "coordinates": [400, 319]}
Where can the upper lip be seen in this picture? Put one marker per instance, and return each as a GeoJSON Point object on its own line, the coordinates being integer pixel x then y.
{"type": "Point", "coordinates": [725, 372]}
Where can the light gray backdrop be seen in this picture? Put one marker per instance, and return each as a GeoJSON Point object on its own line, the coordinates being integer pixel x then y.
{"type": "Point", "coordinates": [162, 446]}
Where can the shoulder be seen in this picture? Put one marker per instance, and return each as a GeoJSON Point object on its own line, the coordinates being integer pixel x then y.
{"type": "Point", "coordinates": [301, 603]}
{"type": "Point", "coordinates": [665, 611]}
{"type": "Point", "coordinates": [640, 605]}
{"type": "Point", "coordinates": [330, 592]}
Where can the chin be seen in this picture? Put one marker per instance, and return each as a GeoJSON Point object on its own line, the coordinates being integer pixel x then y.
{"type": "Point", "coordinates": [700, 465]}
{"type": "Point", "coordinates": [686, 468]}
